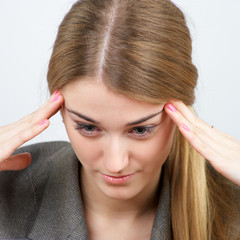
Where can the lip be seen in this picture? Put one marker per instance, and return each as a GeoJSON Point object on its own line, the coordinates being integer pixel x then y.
{"type": "Point", "coordinates": [117, 180]}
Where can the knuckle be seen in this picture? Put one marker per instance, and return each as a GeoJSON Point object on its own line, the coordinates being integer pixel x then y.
{"type": "Point", "coordinates": [26, 135]}
{"type": "Point", "coordinates": [195, 121]}
{"type": "Point", "coordinates": [196, 125]}
{"type": "Point", "coordinates": [31, 120]}
{"type": "Point", "coordinates": [199, 144]}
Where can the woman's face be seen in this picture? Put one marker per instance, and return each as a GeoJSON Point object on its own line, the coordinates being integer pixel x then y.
{"type": "Point", "coordinates": [121, 143]}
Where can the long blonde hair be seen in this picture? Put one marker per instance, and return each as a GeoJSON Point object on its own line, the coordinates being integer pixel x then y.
{"type": "Point", "coordinates": [142, 49]}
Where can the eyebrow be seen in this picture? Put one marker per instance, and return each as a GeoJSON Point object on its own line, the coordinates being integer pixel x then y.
{"type": "Point", "coordinates": [141, 120]}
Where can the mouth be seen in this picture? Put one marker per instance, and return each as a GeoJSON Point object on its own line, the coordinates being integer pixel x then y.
{"type": "Point", "coordinates": [117, 180]}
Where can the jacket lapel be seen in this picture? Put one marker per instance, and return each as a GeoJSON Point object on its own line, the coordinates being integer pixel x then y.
{"type": "Point", "coordinates": [60, 213]}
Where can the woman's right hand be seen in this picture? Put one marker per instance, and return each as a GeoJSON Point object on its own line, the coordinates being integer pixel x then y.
{"type": "Point", "coordinates": [12, 136]}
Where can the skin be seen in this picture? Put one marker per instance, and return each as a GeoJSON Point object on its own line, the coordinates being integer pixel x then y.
{"type": "Point", "coordinates": [116, 151]}
{"type": "Point", "coordinates": [220, 149]}
{"type": "Point", "coordinates": [113, 148]}
{"type": "Point", "coordinates": [12, 136]}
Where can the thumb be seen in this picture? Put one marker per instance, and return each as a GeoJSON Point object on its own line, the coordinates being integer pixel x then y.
{"type": "Point", "coordinates": [16, 162]}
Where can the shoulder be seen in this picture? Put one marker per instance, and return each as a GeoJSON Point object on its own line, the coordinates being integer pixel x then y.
{"type": "Point", "coordinates": [46, 157]}
{"type": "Point", "coordinates": [46, 153]}
{"type": "Point", "coordinates": [52, 172]}
{"type": "Point", "coordinates": [44, 149]}
{"type": "Point", "coordinates": [43, 155]}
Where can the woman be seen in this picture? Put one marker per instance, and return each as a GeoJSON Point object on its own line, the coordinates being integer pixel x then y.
{"type": "Point", "coordinates": [121, 72]}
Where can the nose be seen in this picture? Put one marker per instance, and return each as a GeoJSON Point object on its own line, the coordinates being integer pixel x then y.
{"type": "Point", "coordinates": [115, 157]}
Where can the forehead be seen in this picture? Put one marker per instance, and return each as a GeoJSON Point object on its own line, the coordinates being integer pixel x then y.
{"type": "Point", "coordinates": [93, 97]}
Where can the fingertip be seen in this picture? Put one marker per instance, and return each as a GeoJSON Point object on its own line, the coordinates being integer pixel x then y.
{"type": "Point", "coordinates": [185, 127]}
{"type": "Point", "coordinates": [27, 158]}
{"type": "Point", "coordinates": [44, 122]}
{"type": "Point", "coordinates": [56, 92]}
{"type": "Point", "coordinates": [57, 97]}
{"type": "Point", "coordinates": [170, 107]}
{"type": "Point", "coordinates": [44, 125]}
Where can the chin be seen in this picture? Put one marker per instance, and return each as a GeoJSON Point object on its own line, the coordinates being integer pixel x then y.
{"type": "Point", "coordinates": [122, 193]}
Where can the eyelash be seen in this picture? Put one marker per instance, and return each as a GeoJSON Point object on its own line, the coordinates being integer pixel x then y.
{"type": "Point", "coordinates": [82, 127]}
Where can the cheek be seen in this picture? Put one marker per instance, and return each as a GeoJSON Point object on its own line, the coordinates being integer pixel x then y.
{"type": "Point", "coordinates": [86, 151]}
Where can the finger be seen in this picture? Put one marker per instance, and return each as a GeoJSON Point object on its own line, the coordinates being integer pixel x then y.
{"type": "Point", "coordinates": [14, 135]}
{"type": "Point", "coordinates": [32, 121]}
{"type": "Point", "coordinates": [220, 149]}
{"type": "Point", "coordinates": [51, 107]}
{"type": "Point", "coordinates": [183, 109]}
{"type": "Point", "coordinates": [183, 118]}
{"type": "Point", "coordinates": [8, 146]}
{"type": "Point", "coordinates": [187, 114]}
{"type": "Point", "coordinates": [200, 135]}
{"type": "Point", "coordinates": [192, 121]}
{"type": "Point", "coordinates": [46, 111]}
{"type": "Point", "coordinates": [16, 162]}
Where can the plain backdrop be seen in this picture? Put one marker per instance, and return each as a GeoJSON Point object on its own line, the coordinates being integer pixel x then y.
{"type": "Point", "coordinates": [28, 29]}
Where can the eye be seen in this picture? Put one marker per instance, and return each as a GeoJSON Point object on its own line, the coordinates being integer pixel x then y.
{"type": "Point", "coordinates": [141, 132]}
{"type": "Point", "coordinates": [87, 129]}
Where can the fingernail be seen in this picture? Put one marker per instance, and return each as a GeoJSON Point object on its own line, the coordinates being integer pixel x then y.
{"type": "Point", "coordinates": [171, 107]}
{"type": "Point", "coordinates": [56, 98]}
{"type": "Point", "coordinates": [56, 92]}
{"type": "Point", "coordinates": [43, 122]}
{"type": "Point", "coordinates": [185, 127]}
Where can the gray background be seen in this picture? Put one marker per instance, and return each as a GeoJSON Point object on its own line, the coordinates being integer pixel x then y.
{"type": "Point", "coordinates": [28, 29]}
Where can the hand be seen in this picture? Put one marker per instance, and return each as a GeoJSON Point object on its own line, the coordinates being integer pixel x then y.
{"type": "Point", "coordinates": [220, 149]}
{"type": "Point", "coordinates": [14, 135]}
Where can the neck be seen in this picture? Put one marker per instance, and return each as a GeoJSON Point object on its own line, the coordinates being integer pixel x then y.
{"type": "Point", "coordinates": [98, 202]}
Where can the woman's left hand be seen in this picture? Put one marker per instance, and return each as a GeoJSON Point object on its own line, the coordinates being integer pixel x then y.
{"type": "Point", "coordinates": [220, 149]}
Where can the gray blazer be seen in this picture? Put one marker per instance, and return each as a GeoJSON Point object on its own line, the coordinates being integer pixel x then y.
{"type": "Point", "coordinates": [44, 201]}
